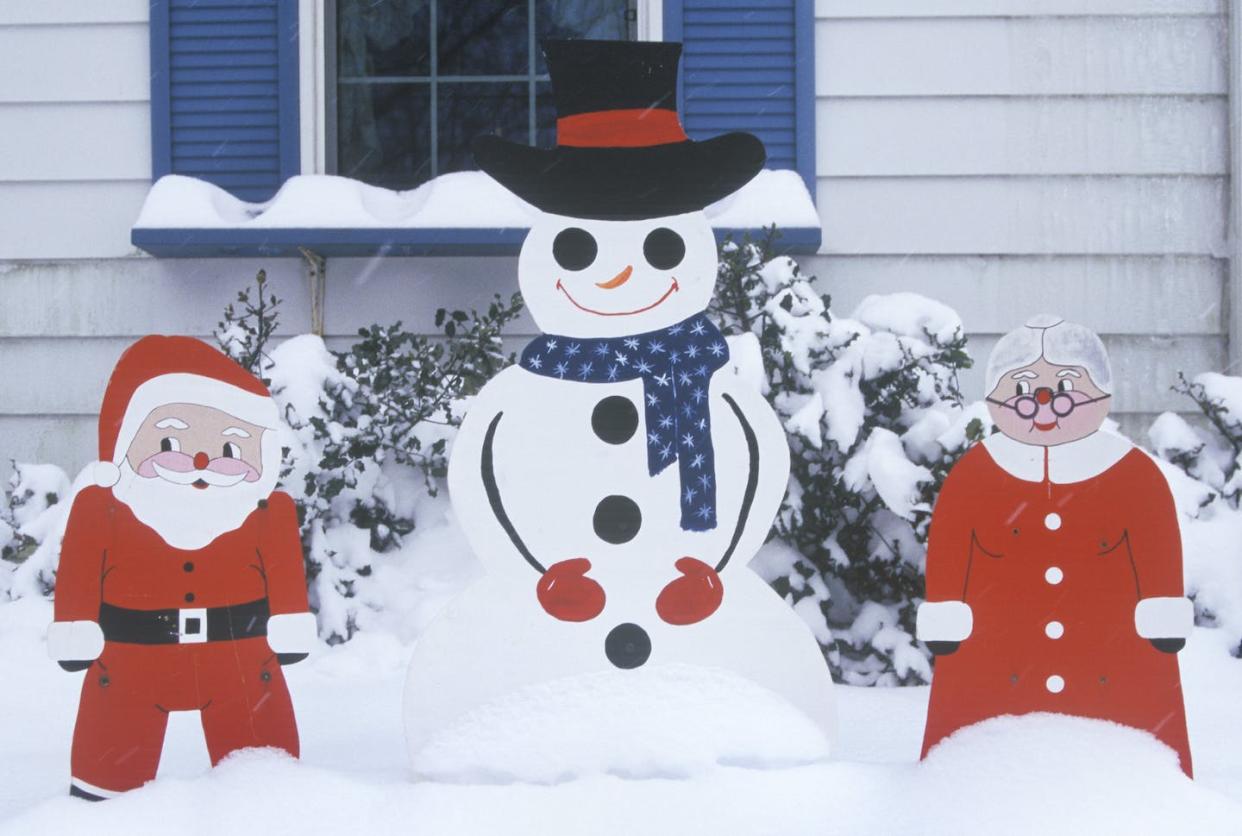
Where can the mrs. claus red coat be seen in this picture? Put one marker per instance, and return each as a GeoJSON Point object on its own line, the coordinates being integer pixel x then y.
{"type": "Point", "coordinates": [1053, 549]}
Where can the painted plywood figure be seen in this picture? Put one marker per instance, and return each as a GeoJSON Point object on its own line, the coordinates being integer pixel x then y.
{"type": "Point", "coordinates": [616, 482]}
{"type": "Point", "coordinates": [181, 584]}
{"type": "Point", "coordinates": [1054, 568]}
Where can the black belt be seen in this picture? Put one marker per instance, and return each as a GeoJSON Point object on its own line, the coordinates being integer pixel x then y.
{"type": "Point", "coordinates": [185, 626]}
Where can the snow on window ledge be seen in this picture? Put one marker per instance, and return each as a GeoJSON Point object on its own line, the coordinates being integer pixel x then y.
{"type": "Point", "coordinates": [459, 213]}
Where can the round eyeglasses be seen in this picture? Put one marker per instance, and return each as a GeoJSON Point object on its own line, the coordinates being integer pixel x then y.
{"type": "Point", "coordinates": [1062, 403]}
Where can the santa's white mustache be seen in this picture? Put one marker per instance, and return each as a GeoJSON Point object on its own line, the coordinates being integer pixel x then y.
{"type": "Point", "coordinates": [189, 477]}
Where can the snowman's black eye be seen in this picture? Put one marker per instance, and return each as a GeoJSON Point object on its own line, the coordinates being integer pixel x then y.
{"type": "Point", "coordinates": [574, 248]}
{"type": "Point", "coordinates": [664, 248]}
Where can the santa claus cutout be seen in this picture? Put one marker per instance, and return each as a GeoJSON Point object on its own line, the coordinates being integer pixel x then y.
{"type": "Point", "coordinates": [1054, 566]}
{"type": "Point", "coordinates": [181, 584]}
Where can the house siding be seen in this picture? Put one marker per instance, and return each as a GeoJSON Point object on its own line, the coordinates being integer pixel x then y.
{"type": "Point", "coordinates": [1003, 156]}
{"type": "Point", "coordinates": [1010, 157]}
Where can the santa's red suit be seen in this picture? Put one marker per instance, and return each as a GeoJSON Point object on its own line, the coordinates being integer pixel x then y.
{"type": "Point", "coordinates": [1059, 571]}
{"type": "Point", "coordinates": [185, 625]}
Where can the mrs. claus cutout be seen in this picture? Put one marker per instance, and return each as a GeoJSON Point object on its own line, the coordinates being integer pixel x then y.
{"type": "Point", "coordinates": [616, 482]}
{"type": "Point", "coordinates": [1054, 565]}
{"type": "Point", "coordinates": [181, 584]}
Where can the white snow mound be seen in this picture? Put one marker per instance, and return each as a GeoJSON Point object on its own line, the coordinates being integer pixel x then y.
{"type": "Point", "coordinates": [1049, 773]}
{"type": "Point", "coordinates": [669, 721]}
{"type": "Point", "coordinates": [469, 199]}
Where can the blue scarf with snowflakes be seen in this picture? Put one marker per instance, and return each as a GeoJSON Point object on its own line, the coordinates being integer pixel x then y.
{"type": "Point", "coordinates": [676, 365]}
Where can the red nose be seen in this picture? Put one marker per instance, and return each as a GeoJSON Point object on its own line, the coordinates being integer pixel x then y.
{"type": "Point", "coordinates": [201, 460]}
{"type": "Point", "coordinates": [1043, 394]}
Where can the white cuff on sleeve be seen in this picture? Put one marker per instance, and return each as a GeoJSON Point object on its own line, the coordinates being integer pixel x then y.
{"type": "Point", "coordinates": [74, 641]}
{"type": "Point", "coordinates": [1164, 618]}
{"type": "Point", "coordinates": [294, 632]}
{"type": "Point", "coordinates": [944, 621]}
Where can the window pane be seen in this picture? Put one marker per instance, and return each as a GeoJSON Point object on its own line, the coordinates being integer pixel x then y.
{"type": "Point", "coordinates": [545, 116]}
{"type": "Point", "coordinates": [483, 37]}
{"type": "Point", "coordinates": [594, 19]}
{"type": "Point", "coordinates": [469, 110]}
{"type": "Point", "coordinates": [383, 37]}
{"type": "Point", "coordinates": [384, 133]}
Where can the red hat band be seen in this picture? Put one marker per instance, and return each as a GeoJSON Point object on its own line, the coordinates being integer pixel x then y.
{"type": "Point", "coordinates": [630, 128]}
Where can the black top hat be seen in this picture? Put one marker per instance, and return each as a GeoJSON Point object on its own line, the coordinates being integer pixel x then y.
{"type": "Point", "coordinates": [621, 152]}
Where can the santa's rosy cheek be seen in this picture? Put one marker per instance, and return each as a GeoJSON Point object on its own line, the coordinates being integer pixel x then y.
{"type": "Point", "coordinates": [233, 467]}
{"type": "Point", "coordinates": [167, 459]}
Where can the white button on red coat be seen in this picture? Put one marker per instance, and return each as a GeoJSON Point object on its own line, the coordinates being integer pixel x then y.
{"type": "Point", "coordinates": [1055, 684]}
{"type": "Point", "coordinates": [1054, 629]}
{"type": "Point", "coordinates": [1053, 521]}
{"type": "Point", "coordinates": [1054, 575]}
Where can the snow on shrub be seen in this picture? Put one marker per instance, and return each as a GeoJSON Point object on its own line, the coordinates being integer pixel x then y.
{"type": "Point", "coordinates": [32, 522]}
{"type": "Point", "coordinates": [875, 420]}
{"type": "Point", "coordinates": [1204, 468]}
{"type": "Point", "coordinates": [366, 437]}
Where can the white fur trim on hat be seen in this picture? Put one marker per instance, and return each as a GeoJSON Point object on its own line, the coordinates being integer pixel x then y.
{"type": "Point", "coordinates": [74, 641]}
{"type": "Point", "coordinates": [1164, 618]}
{"type": "Point", "coordinates": [105, 474]}
{"type": "Point", "coordinates": [295, 632]}
{"type": "Point", "coordinates": [192, 389]}
{"type": "Point", "coordinates": [944, 621]}
{"type": "Point", "coordinates": [1055, 340]}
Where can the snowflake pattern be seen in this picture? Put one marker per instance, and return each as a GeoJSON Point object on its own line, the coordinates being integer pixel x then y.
{"type": "Point", "coordinates": [678, 417]}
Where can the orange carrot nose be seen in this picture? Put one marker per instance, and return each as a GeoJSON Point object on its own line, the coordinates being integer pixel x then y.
{"type": "Point", "coordinates": [617, 280]}
{"type": "Point", "coordinates": [201, 460]}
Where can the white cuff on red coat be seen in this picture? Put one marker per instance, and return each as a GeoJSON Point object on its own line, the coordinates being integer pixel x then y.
{"type": "Point", "coordinates": [74, 641]}
{"type": "Point", "coordinates": [944, 621]}
{"type": "Point", "coordinates": [1164, 618]}
{"type": "Point", "coordinates": [295, 632]}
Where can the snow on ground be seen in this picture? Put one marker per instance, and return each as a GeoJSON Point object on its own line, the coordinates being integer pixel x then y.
{"type": "Point", "coordinates": [459, 199]}
{"type": "Point", "coordinates": [1039, 774]}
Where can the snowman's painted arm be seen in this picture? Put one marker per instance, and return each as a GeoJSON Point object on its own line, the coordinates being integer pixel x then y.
{"type": "Point", "coordinates": [473, 486]}
{"type": "Point", "coordinates": [487, 471]}
{"type": "Point", "coordinates": [767, 470]}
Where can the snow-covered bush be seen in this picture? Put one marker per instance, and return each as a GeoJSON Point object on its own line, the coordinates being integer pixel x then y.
{"type": "Point", "coordinates": [875, 420]}
{"type": "Point", "coordinates": [367, 433]}
{"type": "Point", "coordinates": [1204, 468]}
{"type": "Point", "coordinates": [31, 524]}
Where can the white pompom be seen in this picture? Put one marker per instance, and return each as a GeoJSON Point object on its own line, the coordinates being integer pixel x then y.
{"type": "Point", "coordinates": [106, 474]}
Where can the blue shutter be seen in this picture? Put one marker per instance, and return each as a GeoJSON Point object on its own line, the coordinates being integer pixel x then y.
{"type": "Point", "coordinates": [224, 92]}
{"type": "Point", "coordinates": [749, 65]}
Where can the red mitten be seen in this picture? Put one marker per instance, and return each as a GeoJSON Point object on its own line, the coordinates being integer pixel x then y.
{"type": "Point", "coordinates": [565, 591]}
{"type": "Point", "coordinates": [692, 597]}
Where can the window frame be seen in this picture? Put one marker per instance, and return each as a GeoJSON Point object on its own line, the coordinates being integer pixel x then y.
{"type": "Point", "coordinates": [309, 119]}
{"type": "Point", "coordinates": [327, 125]}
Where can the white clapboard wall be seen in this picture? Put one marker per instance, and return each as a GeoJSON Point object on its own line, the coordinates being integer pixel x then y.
{"type": "Point", "coordinates": [1011, 157]}
{"type": "Point", "coordinates": [1004, 156]}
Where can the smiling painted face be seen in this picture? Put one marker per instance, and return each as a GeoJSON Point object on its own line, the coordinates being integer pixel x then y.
{"type": "Point", "coordinates": [1047, 404]}
{"type": "Point", "coordinates": [588, 278]}
{"type": "Point", "coordinates": [197, 447]}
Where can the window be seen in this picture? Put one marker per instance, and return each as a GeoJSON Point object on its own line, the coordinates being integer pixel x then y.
{"type": "Point", "coordinates": [413, 81]}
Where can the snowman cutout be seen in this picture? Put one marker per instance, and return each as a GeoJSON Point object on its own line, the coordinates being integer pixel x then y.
{"type": "Point", "coordinates": [616, 482]}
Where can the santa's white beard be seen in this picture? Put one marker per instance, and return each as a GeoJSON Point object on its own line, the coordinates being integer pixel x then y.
{"type": "Point", "coordinates": [186, 517]}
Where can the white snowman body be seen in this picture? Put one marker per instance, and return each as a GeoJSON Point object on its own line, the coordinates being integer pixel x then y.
{"type": "Point", "coordinates": [546, 470]}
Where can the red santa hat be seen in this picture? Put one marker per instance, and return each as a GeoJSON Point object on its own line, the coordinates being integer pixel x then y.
{"type": "Point", "coordinates": [160, 370]}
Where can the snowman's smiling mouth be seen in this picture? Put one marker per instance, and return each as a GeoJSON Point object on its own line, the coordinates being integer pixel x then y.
{"type": "Point", "coordinates": [672, 288]}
